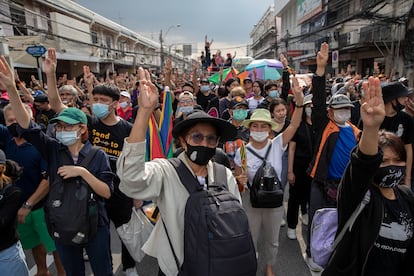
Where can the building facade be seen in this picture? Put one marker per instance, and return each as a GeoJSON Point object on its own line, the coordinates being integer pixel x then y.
{"type": "Point", "coordinates": [360, 32]}
{"type": "Point", "coordinates": [80, 36]}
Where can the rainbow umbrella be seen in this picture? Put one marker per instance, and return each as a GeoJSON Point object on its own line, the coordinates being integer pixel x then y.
{"type": "Point", "coordinates": [266, 69]}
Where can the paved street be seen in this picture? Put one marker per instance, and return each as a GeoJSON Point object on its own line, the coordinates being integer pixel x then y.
{"type": "Point", "coordinates": [290, 259]}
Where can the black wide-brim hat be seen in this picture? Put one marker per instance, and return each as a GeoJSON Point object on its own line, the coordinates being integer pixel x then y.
{"type": "Point", "coordinates": [225, 130]}
{"type": "Point", "coordinates": [393, 90]}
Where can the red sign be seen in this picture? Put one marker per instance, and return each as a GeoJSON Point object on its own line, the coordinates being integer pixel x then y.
{"type": "Point", "coordinates": [294, 53]}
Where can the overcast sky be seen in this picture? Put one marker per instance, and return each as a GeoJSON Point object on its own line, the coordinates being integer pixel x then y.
{"type": "Point", "coordinates": [228, 22]}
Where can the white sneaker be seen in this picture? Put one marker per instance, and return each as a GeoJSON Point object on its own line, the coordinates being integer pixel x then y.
{"type": "Point", "coordinates": [283, 223]}
{"type": "Point", "coordinates": [305, 219]}
{"type": "Point", "coordinates": [131, 272]}
{"type": "Point", "coordinates": [291, 233]}
{"type": "Point", "coordinates": [85, 256]}
{"type": "Point", "coordinates": [312, 266]}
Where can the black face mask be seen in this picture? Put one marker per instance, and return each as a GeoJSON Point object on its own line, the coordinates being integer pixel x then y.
{"type": "Point", "coordinates": [398, 107]}
{"type": "Point", "coordinates": [13, 130]}
{"type": "Point", "coordinates": [199, 154]}
{"type": "Point", "coordinates": [389, 176]}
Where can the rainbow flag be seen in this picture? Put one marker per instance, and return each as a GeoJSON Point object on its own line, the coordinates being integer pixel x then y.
{"type": "Point", "coordinates": [166, 123]}
{"type": "Point", "coordinates": [154, 145]}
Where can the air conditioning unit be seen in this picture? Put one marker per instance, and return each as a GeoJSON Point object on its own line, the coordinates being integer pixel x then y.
{"type": "Point", "coordinates": [353, 37]}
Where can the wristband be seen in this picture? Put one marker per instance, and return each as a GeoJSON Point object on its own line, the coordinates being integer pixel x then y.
{"type": "Point", "coordinates": [299, 106]}
{"type": "Point", "coordinates": [26, 205]}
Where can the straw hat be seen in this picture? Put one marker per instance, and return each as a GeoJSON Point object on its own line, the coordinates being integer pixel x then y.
{"type": "Point", "coordinates": [261, 115]}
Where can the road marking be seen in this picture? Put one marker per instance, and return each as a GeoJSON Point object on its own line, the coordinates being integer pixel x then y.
{"type": "Point", "coordinates": [116, 261]}
{"type": "Point", "coordinates": [49, 261]}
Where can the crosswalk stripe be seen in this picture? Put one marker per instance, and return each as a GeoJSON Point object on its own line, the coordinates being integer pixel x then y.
{"type": "Point", "coordinates": [116, 261]}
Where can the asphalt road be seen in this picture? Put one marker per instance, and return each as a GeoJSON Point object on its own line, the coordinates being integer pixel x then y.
{"type": "Point", "coordinates": [290, 262]}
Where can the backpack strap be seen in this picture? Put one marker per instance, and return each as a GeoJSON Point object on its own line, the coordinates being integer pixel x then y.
{"type": "Point", "coordinates": [89, 157]}
{"type": "Point", "coordinates": [65, 160]}
{"type": "Point", "coordinates": [186, 177]}
{"type": "Point", "coordinates": [219, 174]}
{"type": "Point", "coordinates": [257, 155]}
{"type": "Point", "coordinates": [350, 222]}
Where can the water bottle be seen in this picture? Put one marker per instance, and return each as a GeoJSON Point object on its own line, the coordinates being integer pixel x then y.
{"type": "Point", "coordinates": [268, 177]}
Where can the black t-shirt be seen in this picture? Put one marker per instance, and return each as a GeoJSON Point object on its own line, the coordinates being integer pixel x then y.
{"type": "Point", "coordinates": [109, 138]}
{"type": "Point", "coordinates": [396, 232]}
{"type": "Point", "coordinates": [207, 102]}
{"type": "Point", "coordinates": [305, 141]}
{"type": "Point", "coordinates": [43, 118]}
{"type": "Point", "coordinates": [402, 125]}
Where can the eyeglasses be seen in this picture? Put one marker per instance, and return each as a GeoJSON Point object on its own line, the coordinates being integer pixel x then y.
{"type": "Point", "coordinates": [186, 101]}
{"type": "Point", "coordinates": [60, 127]}
{"type": "Point", "coordinates": [198, 138]}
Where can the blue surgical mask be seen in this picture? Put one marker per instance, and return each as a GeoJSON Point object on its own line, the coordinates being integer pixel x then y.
{"type": "Point", "coordinates": [186, 109]}
{"type": "Point", "coordinates": [67, 137]}
{"type": "Point", "coordinates": [100, 110]}
{"type": "Point", "coordinates": [273, 94]}
{"type": "Point", "coordinates": [240, 114]}
{"type": "Point", "coordinates": [204, 88]}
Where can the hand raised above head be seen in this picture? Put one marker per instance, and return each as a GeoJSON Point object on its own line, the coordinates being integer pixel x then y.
{"type": "Point", "coordinates": [323, 55]}
{"type": "Point", "coordinates": [297, 90]}
{"type": "Point", "coordinates": [50, 62]}
{"type": "Point", "coordinates": [6, 76]}
{"type": "Point", "coordinates": [373, 108]}
{"type": "Point", "coordinates": [148, 92]}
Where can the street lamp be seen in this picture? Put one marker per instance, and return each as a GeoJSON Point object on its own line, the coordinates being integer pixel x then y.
{"type": "Point", "coordinates": [162, 37]}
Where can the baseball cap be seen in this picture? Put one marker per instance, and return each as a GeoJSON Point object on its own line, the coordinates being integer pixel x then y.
{"type": "Point", "coordinates": [340, 101]}
{"type": "Point", "coordinates": [125, 94]}
{"type": "Point", "coordinates": [237, 101]}
{"type": "Point", "coordinates": [41, 98]}
{"type": "Point", "coordinates": [71, 116]}
{"type": "Point", "coordinates": [186, 93]}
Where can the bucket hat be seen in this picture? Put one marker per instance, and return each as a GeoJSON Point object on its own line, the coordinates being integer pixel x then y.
{"type": "Point", "coordinates": [260, 115]}
{"type": "Point", "coordinates": [225, 130]}
{"type": "Point", "coordinates": [393, 90]}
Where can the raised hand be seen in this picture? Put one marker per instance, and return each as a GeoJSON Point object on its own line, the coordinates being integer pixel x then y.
{"type": "Point", "coordinates": [50, 63]}
{"type": "Point", "coordinates": [148, 92]}
{"type": "Point", "coordinates": [373, 108]}
{"type": "Point", "coordinates": [6, 76]}
{"type": "Point", "coordinates": [297, 91]}
{"type": "Point", "coordinates": [323, 55]}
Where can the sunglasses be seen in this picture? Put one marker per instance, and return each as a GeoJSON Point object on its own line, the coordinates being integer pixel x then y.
{"type": "Point", "coordinates": [198, 138]}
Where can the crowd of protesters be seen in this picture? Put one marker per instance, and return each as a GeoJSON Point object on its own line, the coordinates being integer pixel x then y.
{"type": "Point", "coordinates": [318, 131]}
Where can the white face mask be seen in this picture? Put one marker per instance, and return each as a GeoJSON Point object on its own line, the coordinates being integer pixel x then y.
{"type": "Point", "coordinates": [259, 136]}
{"type": "Point", "coordinates": [342, 115]}
{"type": "Point", "coordinates": [123, 105]}
{"type": "Point", "coordinates": [308, 111]}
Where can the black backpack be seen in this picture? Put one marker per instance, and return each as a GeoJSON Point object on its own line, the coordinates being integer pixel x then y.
{"type": "Point", "coordinates": [266, 190]}
{"type": "Point", "coordinates": [217, 238]}
{"type": "Point", "coordinates": [71, 209]}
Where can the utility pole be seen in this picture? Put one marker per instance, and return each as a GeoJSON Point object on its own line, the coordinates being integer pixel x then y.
{"type": "Point", "coordinates": [161, 50]}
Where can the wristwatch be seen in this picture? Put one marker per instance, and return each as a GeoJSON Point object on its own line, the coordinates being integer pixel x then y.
{"type": "Point", "coordinates": [26, 205]}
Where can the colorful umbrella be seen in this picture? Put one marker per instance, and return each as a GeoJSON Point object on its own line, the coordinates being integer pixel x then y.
{"type": "Point", "coordinates": [266, 69]}
{"type": "Point", "coordinates": [226, 74]}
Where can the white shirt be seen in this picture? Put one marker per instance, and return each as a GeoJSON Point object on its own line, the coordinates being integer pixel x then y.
{"type": "Point", "coordinates": [274, 157]}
